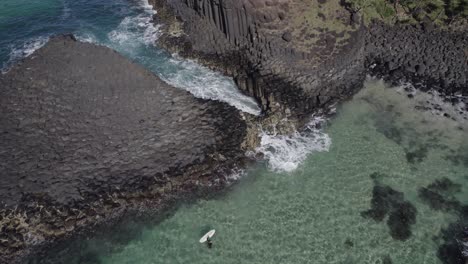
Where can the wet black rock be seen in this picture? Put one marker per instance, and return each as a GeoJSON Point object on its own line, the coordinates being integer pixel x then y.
{"type": "Point", "coordinates": [252, 41]}
{"type": "Point", "coordinates": [409, 53]}
{"type": "Point", "coordinates": [387, 201]}
{"type": "Point", "coordinates": [287, 36]}
{"type": "Point", "coordinates": [86, 133]}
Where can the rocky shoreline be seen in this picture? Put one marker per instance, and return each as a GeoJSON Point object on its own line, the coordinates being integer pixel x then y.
{"type": "Point", "coordinates": [291, 75]}
{"type": "Point", "coordinates": [253, 42]}
{"type": "Point", "coordinates": [88, 137]}
{"type": "Point", "coordinates": [294, 63]}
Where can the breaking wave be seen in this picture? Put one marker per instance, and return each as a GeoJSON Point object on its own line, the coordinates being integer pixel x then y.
{"type": "Point", "coordinates": [24, 50]}
{"type": "Point", "coordinates": [136, 36]}
{"type": "Point", "coordinates": [207, 84]}
{"type": "Point", "coordinates": [284, 153]}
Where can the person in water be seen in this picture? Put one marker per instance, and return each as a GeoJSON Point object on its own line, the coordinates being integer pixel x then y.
{"type": "Point", "coordinates": [209, 243]}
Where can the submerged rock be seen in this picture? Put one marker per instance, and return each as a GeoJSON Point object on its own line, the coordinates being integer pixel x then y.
{"type": "Point", "coordinates": [441, 196]}
{"type": "Point", "coordinates": [86, 134]}
{"type": "Point", "coordinates": [387, 201]}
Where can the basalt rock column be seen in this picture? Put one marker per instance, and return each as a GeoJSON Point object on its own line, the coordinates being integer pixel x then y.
{"type": "Point", "coordinates": [86, 134]}
{"type": "Point", "coordinates": [293, 56]}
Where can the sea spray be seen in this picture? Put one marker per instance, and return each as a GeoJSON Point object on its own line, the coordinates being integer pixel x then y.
{"type": "Point", "coordinates": [23, 50]}
{"type": "Point", "coordinates": [207, 84]}
{"type": "Point", "coordinates": [284, 153]}
{"type": "Point", "coordinates": [137, 35]}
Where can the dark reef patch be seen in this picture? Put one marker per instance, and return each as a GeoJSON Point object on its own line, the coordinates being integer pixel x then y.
{"type": "Point", "coordinates": [387, 201]}
{"type": "Point", "coordinates": [417, 155]}
{"type": "Point", "coordinates": [387, 260]}
{"type": "Point", "coordinates": [452, 251]}
{"type": "Point", "coordinates": [439, 195]}
{"type": "Point", "coordinates": [349, 243]}
{"type": "Point", "coordinates": [459, 156]}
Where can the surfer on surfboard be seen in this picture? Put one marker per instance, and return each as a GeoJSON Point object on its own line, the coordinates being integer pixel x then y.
{"type": "Point", "coordinates": [207, 238]}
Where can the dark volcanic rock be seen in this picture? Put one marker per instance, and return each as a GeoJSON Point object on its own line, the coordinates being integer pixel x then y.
{"type": "Point", "coordinates": [434, 58]}
{"type": "Point", "coordinates": [267, 47]}
{"type": "Point", "coordinates": [84, 130]}
{"type": "Point", "coordinates": [253, 41]}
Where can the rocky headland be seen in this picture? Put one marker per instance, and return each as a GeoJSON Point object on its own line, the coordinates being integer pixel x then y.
{"type": "Point", "coordinates": [296, 56]}
{"type": "Point", "coordinates": [292, 56]}
{"type": "Point", "coordinates": [88, 136]}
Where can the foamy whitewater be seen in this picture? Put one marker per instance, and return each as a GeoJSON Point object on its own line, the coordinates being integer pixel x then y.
{"type": "Point", "coordinates": [23, 51]}
{"type": "Point", "coordinates": [284, 153]}
{"type": "Point", "coordinates": [137, 34]}
{"type": "Point", "coordinates": [135, 37]}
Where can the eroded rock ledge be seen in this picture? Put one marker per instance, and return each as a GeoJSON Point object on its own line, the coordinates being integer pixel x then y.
{"type": "Point", "coordinates": [296, 56]}
{"type": "Point", "coordinates": [292, 56]}
{"type": "Point", "coordinates": [422, 55]}
{"type": "Point", "coordinates": [86, 135]}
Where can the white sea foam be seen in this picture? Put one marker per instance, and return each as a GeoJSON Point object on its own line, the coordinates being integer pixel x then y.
{"type": "Point", "coordinates": [24, 50]}
{"type": "Point", "coordinates": [285, 153]}
{"type": "Point", "coordinates": [87, 37]}
{"type": "Point", "coordinates": [207, 84]}
{"type": "Point", "coordinates": [465, 248]}
{"type": "Point", "coordinates": [235, 176]}
{"type": "Point", "coordinates": [135, 33]}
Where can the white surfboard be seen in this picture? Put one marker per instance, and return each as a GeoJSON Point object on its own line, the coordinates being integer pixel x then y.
{"type": "Point", "coordinates": [210, 234]}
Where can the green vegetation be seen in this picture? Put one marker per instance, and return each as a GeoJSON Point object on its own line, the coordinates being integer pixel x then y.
{"type": "Point", "coordinates": [441, 12]}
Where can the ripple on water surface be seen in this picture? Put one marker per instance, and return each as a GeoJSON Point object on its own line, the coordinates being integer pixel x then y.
{"type": "Point", "coordinates": [384, 153]}
{"type": "Point", "coordinates": [123, 25]}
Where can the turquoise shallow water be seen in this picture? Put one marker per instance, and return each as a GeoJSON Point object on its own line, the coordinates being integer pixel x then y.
{"type": "Point", "coordinates": [314, 214]}
{"type": "Point", "coordinates": [311, 214]}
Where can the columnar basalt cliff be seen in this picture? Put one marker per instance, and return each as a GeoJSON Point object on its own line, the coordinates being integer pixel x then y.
{"type": "Point", "coordinates": [294, 57]}
{"type": "Point", "coordinates": [87, 135]}
{"type": "Point", "coordinates": [423, 55]}
{"type": "Point", "coordinates": [297, 56]}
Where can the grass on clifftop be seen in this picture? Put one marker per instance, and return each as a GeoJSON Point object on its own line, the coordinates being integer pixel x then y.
{"type": "Point", "coordinates": [441, 12]}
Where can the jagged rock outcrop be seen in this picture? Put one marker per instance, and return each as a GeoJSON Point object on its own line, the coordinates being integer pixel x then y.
{"type": "Point", "coordinates": [292, 56]}
{"type": "Point", "coordinates": [295, 56]}
{"type": "Point", "coordinates": [86, 135]}
{"type": "Point", "coordinates": [427, 57]}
